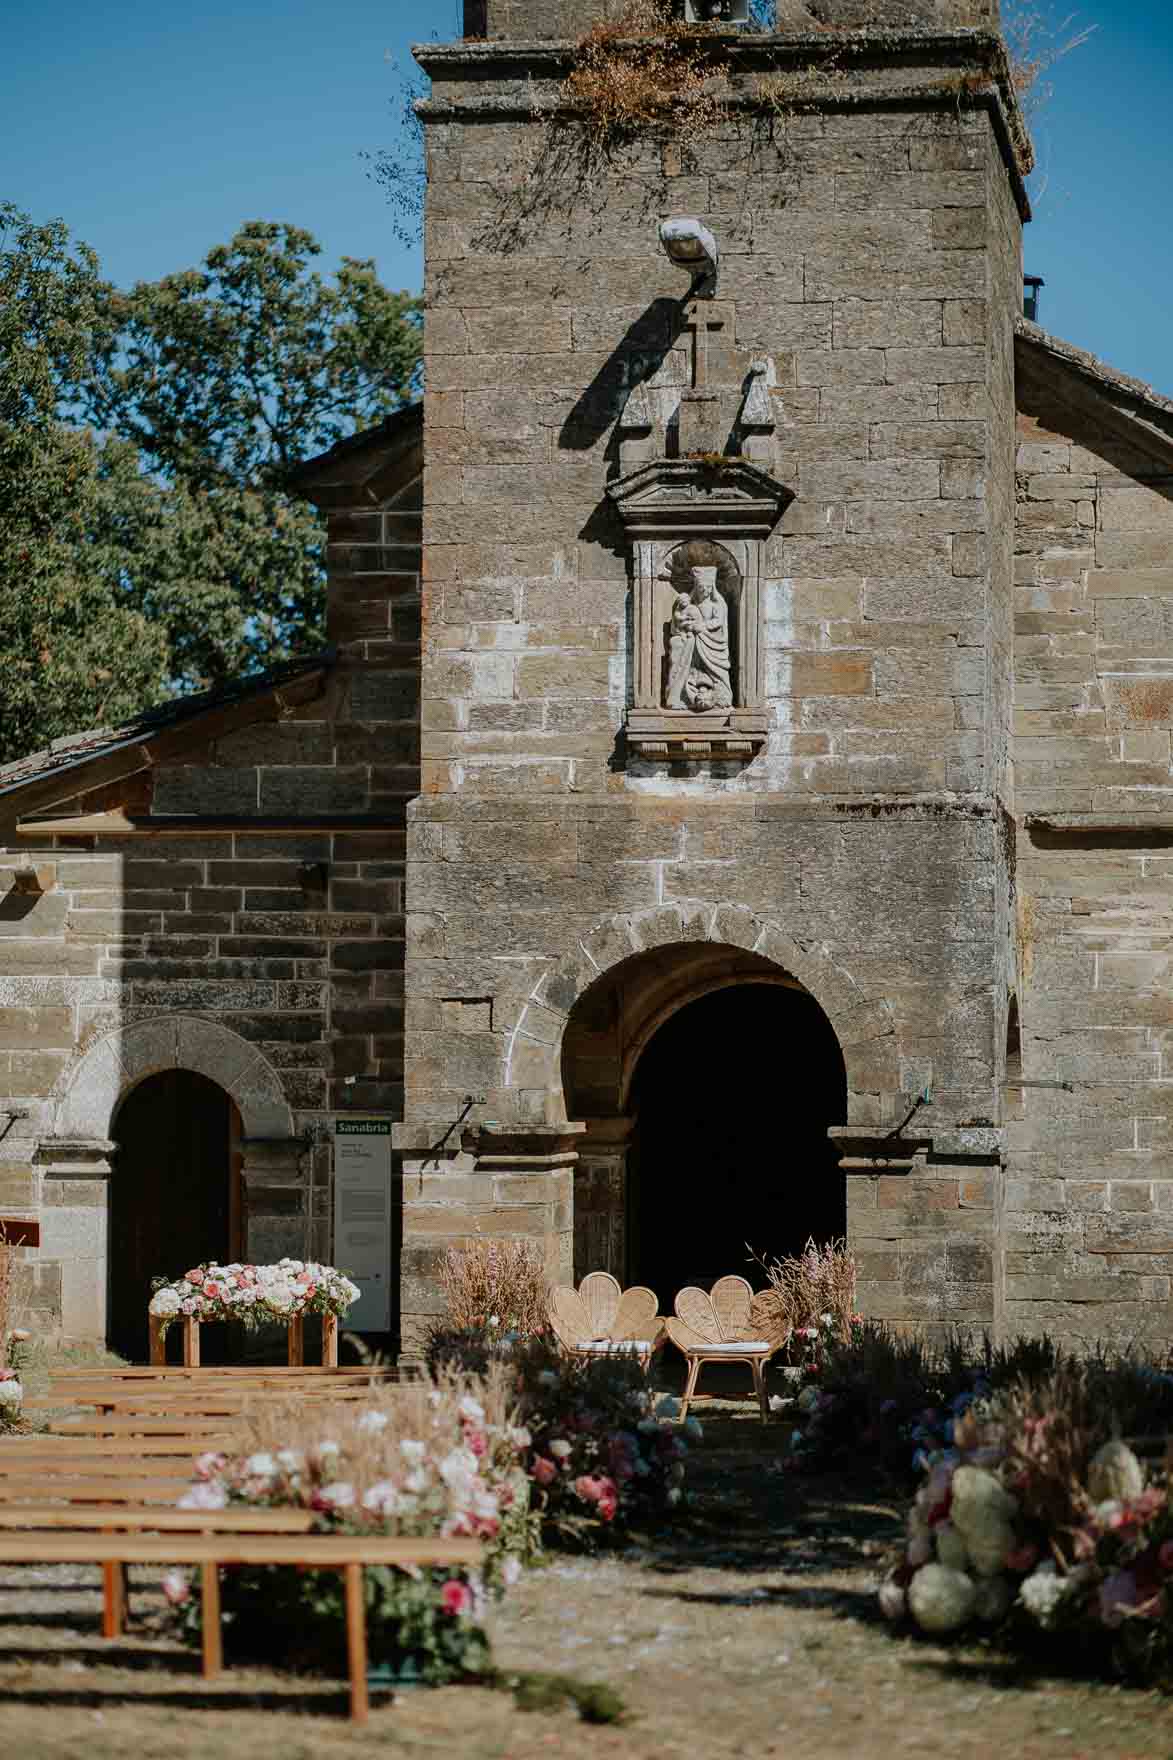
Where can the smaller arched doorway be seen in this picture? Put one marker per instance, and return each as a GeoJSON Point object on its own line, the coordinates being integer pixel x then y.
{"type": "Point", "coordinates": [733, 1096]}
{"type": "Point", "coordinates": [175, 1195]}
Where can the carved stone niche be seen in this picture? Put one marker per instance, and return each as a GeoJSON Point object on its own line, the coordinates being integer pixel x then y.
{"type": "Point", "coordinates": [696, 529]}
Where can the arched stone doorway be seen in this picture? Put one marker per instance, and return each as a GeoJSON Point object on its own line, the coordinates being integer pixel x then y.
{"type": "Point", "coordinates": [732, 1100]}
{"type": "Point", "coordinates": [175, 1193]}
{"type": "Point", "coordinates": [79, 1160]}
{"type": "Point", "coordinates": [708, 1078]}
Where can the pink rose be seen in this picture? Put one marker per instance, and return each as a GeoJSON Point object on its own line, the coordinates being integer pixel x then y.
{"type": "Point", "coordinates": [475, 1442]}
{"type": "Point", "coordinates": [544, 1470]}
{"type": "Point", "coordinates": [608, 1499]}
{"type": "Point", "coordinates": [194, 1276]}
{"type": "Point", "coordinates": [589, 1489]}
{"type": "Point", "coordinates": [176, 1588]}
{"type": "Point", "coordinates": [455, 1597]}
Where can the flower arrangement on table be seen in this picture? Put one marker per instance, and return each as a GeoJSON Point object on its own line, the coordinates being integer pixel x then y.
{"type": "Point", "coordinates": [439, 1457]}
{"type": "Point", "coordinates": [1033, 1525]}
{"type": "Point", "coordinates": [254, 1295]}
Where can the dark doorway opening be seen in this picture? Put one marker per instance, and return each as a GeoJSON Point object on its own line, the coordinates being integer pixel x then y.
{"type": "Point", "coordinates": [175, 1199]}
{"type": "Point", "coordinates": [733, 1097]}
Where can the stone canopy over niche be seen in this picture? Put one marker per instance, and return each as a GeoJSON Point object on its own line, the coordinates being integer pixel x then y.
{"type": "Point", "coordinates": [696, 530]}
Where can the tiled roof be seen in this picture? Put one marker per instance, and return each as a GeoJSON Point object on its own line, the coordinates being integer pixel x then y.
{"type": "Point", "coordinates": [1096, 375]}
{"type": "Point", "coordinates": [77, 749]}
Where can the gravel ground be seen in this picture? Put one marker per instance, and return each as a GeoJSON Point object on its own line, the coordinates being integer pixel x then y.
{"type": "Point", "coordinates": [750, 1629]}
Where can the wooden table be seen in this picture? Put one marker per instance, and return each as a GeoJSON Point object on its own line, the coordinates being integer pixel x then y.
{"type": "Point", "coordinates": [295, 1327]}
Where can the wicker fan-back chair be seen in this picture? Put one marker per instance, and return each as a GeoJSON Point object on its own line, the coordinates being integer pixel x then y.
{"type": "Point", "coordinates": [718, 1326]}
{"type": "Point", "coordinates": [600, 1319]}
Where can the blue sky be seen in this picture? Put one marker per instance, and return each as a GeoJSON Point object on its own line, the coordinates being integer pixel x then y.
{"type": "Point", "coordinates": [155, 129]}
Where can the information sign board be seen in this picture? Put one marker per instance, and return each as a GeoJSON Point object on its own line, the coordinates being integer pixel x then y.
{"type": "Point", "coordinates": [362, 1217]}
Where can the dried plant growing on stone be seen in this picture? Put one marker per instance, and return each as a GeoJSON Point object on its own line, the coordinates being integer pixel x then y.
{"type": "Point", "coordinates": [500, 1285]}
{"type": "Point", "coordinates": [1036, 38]}
{"type": "Point", "coordinates": [806, 1287]}
{"type": "Point", "coordinates": [643, 72]}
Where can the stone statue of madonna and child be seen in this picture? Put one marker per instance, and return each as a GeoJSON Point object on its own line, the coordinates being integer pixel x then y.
{"type": "Point", "coordinates": [697, 640]}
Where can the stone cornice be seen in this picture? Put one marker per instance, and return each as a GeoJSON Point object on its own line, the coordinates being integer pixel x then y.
{"type": "Point", "coordinates": [966, 67]}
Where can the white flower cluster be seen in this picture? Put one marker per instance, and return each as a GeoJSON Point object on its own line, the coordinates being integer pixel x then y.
{"type": "Point", "coordinates": [11, 1392]}
{"type": "Point", "coordinates": [1042, 1592]}
{"type": "Point", "coordinates": [254, 1293]}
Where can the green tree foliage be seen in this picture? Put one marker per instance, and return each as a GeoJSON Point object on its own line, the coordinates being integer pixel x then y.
{"type": "Point", "coordinates": [224, 378]}
{"type": "Point", "coordinates": [157, 551]}
{"type": "Point", "coordinates": [75, 650]}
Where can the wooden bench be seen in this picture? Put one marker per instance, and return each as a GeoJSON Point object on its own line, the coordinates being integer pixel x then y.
{"type": "Point", "coordinates": [68, 1537]}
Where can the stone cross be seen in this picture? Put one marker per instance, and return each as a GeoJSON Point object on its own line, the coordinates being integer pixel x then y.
{"type": "Point", "coordinates": [700, 319]}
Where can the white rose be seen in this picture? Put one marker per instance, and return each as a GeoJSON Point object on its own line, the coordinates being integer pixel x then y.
{"type": "Point", "coordinates": [412, 1450]}
{"type": "Point", "coordinates": [383, 1498]}
{"type": "Point", "coordinates": [206, 1496]}
{"type": "Point", "coordinates": [560, 1448]}
{"type": "Point", "coordinates": [340, 1496]}
{"type": "Point", "coordinates": [11, 1393]}
{"type": "Point", "coordinates": [372, 1421]}
{"type": "Point", "coordinates": [260, 1466]}
{"type": "Point", "coordinates": [291, 1460]}
{"type": "Point", "coordinates": [472, 1410]}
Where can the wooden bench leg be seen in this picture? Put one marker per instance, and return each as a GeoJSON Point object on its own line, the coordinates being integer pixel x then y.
{"type": "Point", "coordinates": [356, 1644]}
{"type": "Point", "coordinates": [113, 1599]}
{"type": "Point", "coordinates": [329, 1341]}
{"type": "Point", "coordinates": [213, 1645]}
{"type": "Point", "coordinates": [191, 1342]}
{"type": "Point", "coordinates": [296, 1342]}
{"type": "Point", "coordinates": [158, 1341]}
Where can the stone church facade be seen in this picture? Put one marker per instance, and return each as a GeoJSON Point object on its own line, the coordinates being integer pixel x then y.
{"type": "Point", "coordinates": [738, 799]}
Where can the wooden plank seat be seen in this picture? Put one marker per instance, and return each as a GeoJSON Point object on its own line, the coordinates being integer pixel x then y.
{"type": "Point", "coordinates": [79, 1486]}
{"type": "Point", "coordinates": [132, 1424]}
{"type": "Point", "coordinates": [57, 1448]}
{"type": "Point", "coordinates": [212, 1550]}
{"type": "Point", "coordinates": [719, 1327]}
{"type": "Point", "coordinates": [164, 1401]}
{"type": "Point", "coordinates": [600, 1319]}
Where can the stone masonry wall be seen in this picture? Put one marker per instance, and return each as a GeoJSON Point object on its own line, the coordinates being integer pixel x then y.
{"type": "Point", "coordinates": [1090, 1194]}
{"type": "Point", "coordinates": [294, 943]}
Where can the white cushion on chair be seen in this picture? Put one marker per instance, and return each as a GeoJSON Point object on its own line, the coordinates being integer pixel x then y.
{"type": "Point", "coordinates": [745, 1347]}
{"type": "Point", "coordinates": [600, 1346]}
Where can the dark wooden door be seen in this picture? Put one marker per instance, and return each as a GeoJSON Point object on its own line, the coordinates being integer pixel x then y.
{"type": "Point", "coordinates": [171, 1194]}
{"type": "Point", "coordinates": [734, 1095]}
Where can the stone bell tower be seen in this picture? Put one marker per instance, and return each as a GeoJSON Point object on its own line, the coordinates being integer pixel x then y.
{"type": "Point", "coordinates": [716, 674]}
